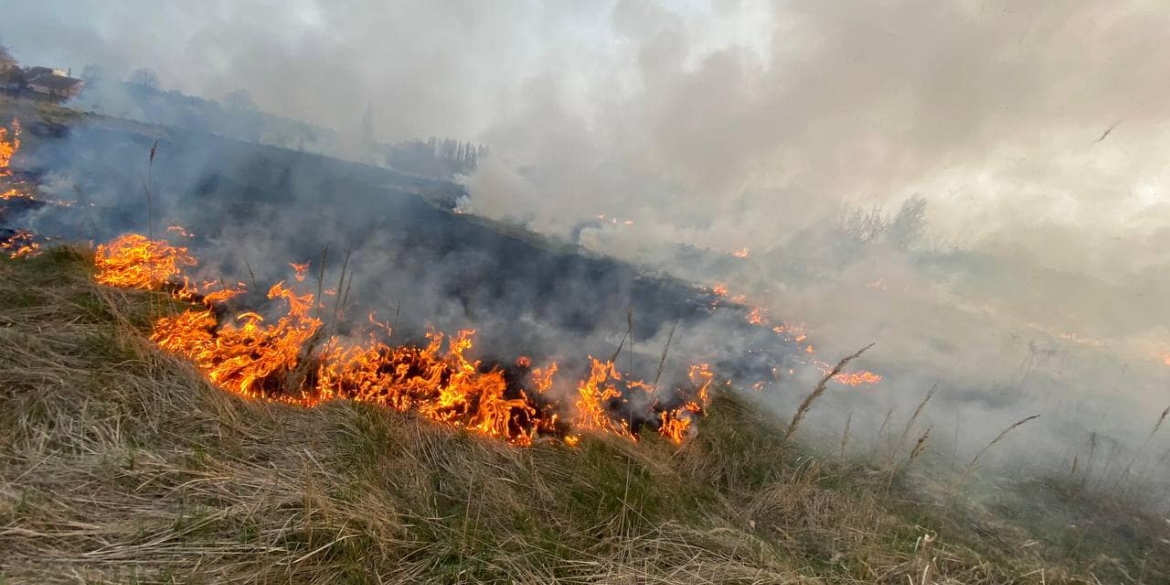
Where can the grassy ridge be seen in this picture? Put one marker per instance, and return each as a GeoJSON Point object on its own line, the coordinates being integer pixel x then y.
{"type": "Point", "coordinates": [120, 464]}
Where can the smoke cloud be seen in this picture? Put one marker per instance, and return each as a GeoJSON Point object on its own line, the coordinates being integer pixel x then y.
{"type": "Point", "coordinates": [1036, 134]}
{"type": "Point", "coordinates": [725, 120]}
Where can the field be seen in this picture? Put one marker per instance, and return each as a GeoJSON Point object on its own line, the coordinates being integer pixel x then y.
{"type": "Point", "coordinates": [120, 464]}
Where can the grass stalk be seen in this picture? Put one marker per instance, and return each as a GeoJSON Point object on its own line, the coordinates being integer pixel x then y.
{"type": "Point", "coordinates": [818, 390]}
{"type": "Point", "coordinates": [913, 419]}
{"type": "Point", "coordinates": [974, 460]}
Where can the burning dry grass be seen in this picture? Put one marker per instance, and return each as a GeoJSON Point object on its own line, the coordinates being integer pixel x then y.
{"type": "Point", "coordinates": [119, 463]}
{"type": "Point", "coordinates": [284, 361]}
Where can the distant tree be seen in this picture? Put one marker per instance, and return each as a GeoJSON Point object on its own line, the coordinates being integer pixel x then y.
{"type": "Point", "coordinates": [145, 78]}
{"type": "Point", "coordinates": [908, 225]}
{"type": "Point", "coordinates": [7, 61]}
{"type": "Point", "coordinates": [12, 79]}
{"type": "Point", "coordinates": [239, 99]}
{"type": "Point", "coordinates": [862, 225]}
{"type": "Point", "coordinates": [440, 157]}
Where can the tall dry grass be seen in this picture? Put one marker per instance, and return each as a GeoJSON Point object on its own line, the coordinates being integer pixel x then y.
{"type": "Point", "coordinates": [119, 464]}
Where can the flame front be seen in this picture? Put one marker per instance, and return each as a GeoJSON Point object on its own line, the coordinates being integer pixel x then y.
{"type": "Point", "coordinates": [21, 243]}
{"type": "Point", "coordinates": [133, 261]}
{"type": "Point", "coordinates": [8, 147]}
{"type": "Point", "coordinates": [285, 360]}
{"type": "Point", "coordinates": [758, 316]}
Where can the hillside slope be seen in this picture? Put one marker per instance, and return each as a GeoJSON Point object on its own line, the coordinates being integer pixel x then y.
{"type": "Point", "coordinates": [119, 464]}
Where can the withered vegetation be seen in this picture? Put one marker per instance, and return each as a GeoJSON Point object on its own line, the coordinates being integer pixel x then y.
{"type": "Point", "coordinates": [119, 464]}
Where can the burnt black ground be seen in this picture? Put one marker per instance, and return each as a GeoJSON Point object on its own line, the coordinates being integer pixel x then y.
{"type": "Point", "coordinates": [254, 208]}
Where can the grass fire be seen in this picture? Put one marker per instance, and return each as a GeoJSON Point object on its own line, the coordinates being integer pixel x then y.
{"type": "Point", "coordinates": [290, 360]}
{"type": "Point", "coordinates": [630, 292]}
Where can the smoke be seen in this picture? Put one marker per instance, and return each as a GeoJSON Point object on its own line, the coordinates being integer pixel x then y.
{"type": "Point", "coordinates": [704, 116]}
{"type": "Point", "coordinates": [992, 112]}
{"type": "Point", "coordinates": [1036, 134]}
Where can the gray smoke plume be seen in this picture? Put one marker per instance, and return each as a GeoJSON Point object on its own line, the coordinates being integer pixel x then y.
{"type": "Point", "coordinates": [1032, 276]}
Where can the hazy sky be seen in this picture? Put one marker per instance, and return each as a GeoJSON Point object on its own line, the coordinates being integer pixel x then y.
{"type": "Point", "coordinates": [724, 122]}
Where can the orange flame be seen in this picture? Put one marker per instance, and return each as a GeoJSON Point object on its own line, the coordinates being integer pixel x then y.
{"type": "Point", "coordinates": [133, 261]}
{"type": "Point", "coordinates": [616, 221]}
{"type": "Point", "coordinates": [301, 270]}
{"type": "Point", "coordinates": [859, 378]}
{"type": "Point", "coordinates": [180, 230]}
{"type": "Point", "coordinates": [8, 146]}
{"type": "Point", "coordinates": [756, 316]}
{"type": "Point", "coordinates": [281, 361]}
{"type": "Point", "coordinates": [22, 244]}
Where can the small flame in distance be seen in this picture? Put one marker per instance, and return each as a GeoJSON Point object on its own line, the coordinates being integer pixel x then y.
{"type": "Point", "coordinates": [22, 243]}
{"type": "Point", "coordinates": [8, 147]}
{"type": "Point", "coordinates": [14, 192]}
{"type": "Point", "coordinates": [758, 316]}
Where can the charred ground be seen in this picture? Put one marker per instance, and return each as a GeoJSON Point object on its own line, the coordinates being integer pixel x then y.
{"type": "Point", "coordinates": [254, 208]}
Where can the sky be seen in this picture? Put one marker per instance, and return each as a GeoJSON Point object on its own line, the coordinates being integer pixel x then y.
{"type": "Point", "coordinates": [1036, 128]}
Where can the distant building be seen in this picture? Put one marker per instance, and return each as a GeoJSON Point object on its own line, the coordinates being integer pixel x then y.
{"type": "Point", "coordinates": [52, 84]}
{"type": "Point", "coordinates": [38, 71]}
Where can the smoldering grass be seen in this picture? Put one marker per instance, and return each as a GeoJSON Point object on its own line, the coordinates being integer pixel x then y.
{"type": "Point", "coordinates": [148, 189]}
{"type": "Point", "coordinates": [881, 432]}
{"type": "Point", "coordinates": [629, 331]}
{"type": "Point", "coordinates": [912, 420]}
{"type": "Point", "coordinates": [955, 440]}
{"type": "Point", "coordinates": [630, 336]}
{"type": "Point", "coordinates": [344, 297]}
{"type": "Point", "coordinates": [251, 274]}
{"type": "Point", "coordinates": [823, 384]}
{"type": "Point", "coordinates": [662, 360]}
{"type": "Point", "coordinates": [340, 293]}
{"type": "Point", "coordinates": [1092, 455]}
{"type": "Point", "coordinates": [81, 201]}
{"type": "Point", "coordinates": [662, 363]}
{"type": "Point", "coordinates": [1142, 449]}
{"type": "Point", "coordinates": [975, 460]}
{"type": "Point", "coordinates": [915, 452]}
{"type": "Point", "coordinates": [298, 376]}
{"type": "Point", "coordinates": [147, 186]}
{"type": "Point", "coordinates": [321, 281]}
{"type": "Point", "coordinates": [919, 446]}
{"type": "Point", "coordinates": [1158, 425]}
{"type": "Point", "coordinates": [845, 434]}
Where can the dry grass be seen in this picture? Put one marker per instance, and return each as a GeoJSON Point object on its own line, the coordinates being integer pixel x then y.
{"type": "Point", "coordinates": [118, 464]}
{"type": "Point", "coordinates": [817, 391]}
